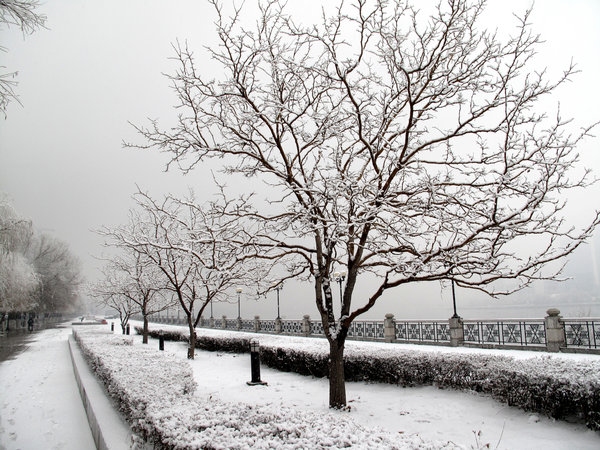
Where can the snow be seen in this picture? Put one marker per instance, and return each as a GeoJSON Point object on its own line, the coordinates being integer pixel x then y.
{"type": "Point", "coordinates": [464, 418]}
{"type": "Point", "coordinates": [40, 406]}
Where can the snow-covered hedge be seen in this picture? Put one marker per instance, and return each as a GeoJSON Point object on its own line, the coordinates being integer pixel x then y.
{"type": "Point", "coordinates": [155, 390]}
{"type": "Point", "coordinates": [559, 388]}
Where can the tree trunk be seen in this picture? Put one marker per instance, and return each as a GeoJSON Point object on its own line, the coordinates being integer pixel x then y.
{"type": "Point", "coordinates": [145, 334]}
{"type": "Point", "coordinates": [192, 346]}
{"type": "Point", "coordinates": [337, 380]}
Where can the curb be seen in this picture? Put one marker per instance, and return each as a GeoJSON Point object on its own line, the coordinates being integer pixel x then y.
{"type": "Point", "coordinates": [109, 429]}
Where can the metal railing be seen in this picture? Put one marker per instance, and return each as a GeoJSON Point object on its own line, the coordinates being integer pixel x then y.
{"type": "Point", "coordinates": [579, 334]}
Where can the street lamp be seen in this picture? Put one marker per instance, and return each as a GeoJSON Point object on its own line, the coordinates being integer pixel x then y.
{"type": "Point", "coordinates": [239, 291]}
{"type": "Point", "coordinates": [454, 300]}
{"type": "Point", "coordinates": [278, 288]}
{"type": "Point", "coordinates": [340, 277]}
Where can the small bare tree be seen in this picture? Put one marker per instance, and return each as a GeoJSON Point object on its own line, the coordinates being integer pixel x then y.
{"type": "Point", "coordinates": [402, 147]}
{"type": "Point", "coordinates": [196, 248]}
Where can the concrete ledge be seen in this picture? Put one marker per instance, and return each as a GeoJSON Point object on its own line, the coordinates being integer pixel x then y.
{"type": "Point", "coordinates": [109, 429]}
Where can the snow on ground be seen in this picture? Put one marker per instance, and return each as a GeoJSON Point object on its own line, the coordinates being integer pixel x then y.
{"type": "Point", "coordinates": [465, 418]}
{"type": "Point", "coordinates": [40, 406]}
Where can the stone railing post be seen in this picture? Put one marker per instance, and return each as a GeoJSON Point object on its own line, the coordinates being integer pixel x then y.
{"type": "Point", "coordinates": [224, 322]}
{"type": "Point", "coordinates": [457, 332]}
{"type": "Point", "coordinates": [278, 325]}
{"type": "Point", "coordinates": [389, 328]}
{"type": "Point", "coordinates": [555, 330]}
{"type": "Point", "coordinates": [211, 322]}
{"type": "Point", "coordinates": [306, 325]}
{"type": "Point", "coordinates": [256, 324]}
{"type": "Point", "coordinates": [239, 323]}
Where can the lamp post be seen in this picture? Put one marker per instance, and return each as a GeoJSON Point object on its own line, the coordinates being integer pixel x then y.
{"type": "Point", "coordinates": [340, 277]}
{"type": "Point", "coordinates": [278, 288]}
{"type": "Point", "coordinates": [454, 300]}
{"type": "Point", "coordinates": [239, 291]}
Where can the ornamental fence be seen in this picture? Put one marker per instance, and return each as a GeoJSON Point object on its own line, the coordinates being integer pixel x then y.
{"type": "Point", "coordinates": [553, 333]}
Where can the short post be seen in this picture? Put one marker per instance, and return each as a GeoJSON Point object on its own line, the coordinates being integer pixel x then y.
{"type": "Point", "coordinates": [555, 330]}
{"type": "Point", "coordinates": [306, 325]}
{"type": "Point", "coordinates": [161, 341]}
{"type": "Point", "coordinates": [278, 325]}
{"type": "Point", "coordinates": [224, 322]}
{"type": "Point", "coordinates": [127, 329]}
{"type": "Point", "coordinates": [256, 324]}
{"type": "Point", "coordinates": [239, 323]}
{"type": "Point", "coordinates": [112, 327]}
{"type": "Point", "coordinates": [211, 322]}
{"type": "Point", "coordinates": [389, 328]}
{"type": "Point", "coordinates": [457, 332]}
{"type": "Point", "coordinates": [255, 364]}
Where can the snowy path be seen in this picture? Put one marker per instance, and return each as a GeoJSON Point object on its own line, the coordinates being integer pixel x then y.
{"type": "Point", "coordinates": [40, 406]}
{"type": "Point", "coordinates": [432, 413]}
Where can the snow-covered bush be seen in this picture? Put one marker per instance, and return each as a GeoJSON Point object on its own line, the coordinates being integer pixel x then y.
{"type": "Point", "coordinates": [156, 391]}
{"type": "Point", "coordinates": [559, 388]}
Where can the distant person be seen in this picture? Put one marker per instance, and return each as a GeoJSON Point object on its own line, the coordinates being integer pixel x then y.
{"type": "Point", "coordinates": [30, 324]}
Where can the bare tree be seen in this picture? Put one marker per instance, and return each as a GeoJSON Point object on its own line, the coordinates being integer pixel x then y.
{"type": "Point", "coordinates": [195, 248]}
{"type": "Point", "coordinates": [115, 291]}
{"type": "Point", "coordinates": [402, 147]}
{"type": "Point", "coordinates": [22, 14]}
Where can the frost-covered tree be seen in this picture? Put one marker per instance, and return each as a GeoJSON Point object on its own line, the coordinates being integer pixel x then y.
{"type": "Point", "coordinates": [22, 14]}
{"type": "Point", "coordinates": [196, 249]}
{"type": "Point", "coordinates": [133, 277]}
{"type": "Point", "coordinates": [59, 272]}
{"type": "Point", "coordinates": [19, 281]}
{"type": "Point", "coordinates": [397, 147]}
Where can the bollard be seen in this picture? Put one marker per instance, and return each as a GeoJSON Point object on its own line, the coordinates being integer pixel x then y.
{"type": "Point", "coordinates": [161, 341]}
{"type": "Point", "coordinates": [112, 327]}
{"type": "Point", "coordinates": [255, 364]}
{"type": "Point", "coordinates": [127, 329]}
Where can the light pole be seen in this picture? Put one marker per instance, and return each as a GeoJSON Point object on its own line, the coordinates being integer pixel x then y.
{"type": "Point", "coordinates": [239, 291]}
{"type": "Point", "coordinates": [278, 288]}
{"type": "Point", "coordinates": [340, 277]}
{"type": "Point", "coordinates": [454, 300]}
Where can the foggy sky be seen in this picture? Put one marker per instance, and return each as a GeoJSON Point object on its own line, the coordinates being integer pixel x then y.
{"type": "Point", "coordinates": [99, 66]}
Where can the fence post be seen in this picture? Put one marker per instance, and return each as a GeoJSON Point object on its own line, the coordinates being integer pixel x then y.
{"type": "Point", "coordinates": [555, 330]}
{"type": "Point", "coordinates": [239, 323]}
{"type": "Point", "coordinates": [256, 324]}
{"type": "Point", "coordinates": [306, 325]}
{"type": "Point", "coordinates": [224, 322]}
{"type": "Point", "coordinates": [457, 332]}
{"type": "Point", "coordinates": [278, 325]}
{"type": "Point", "coordinates": [389, 328]}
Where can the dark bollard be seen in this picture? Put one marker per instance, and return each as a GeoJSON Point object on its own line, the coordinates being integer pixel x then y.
{"type": "Point", "coordinates": [255, 364]}
{"type": "Point", "coordinates": [161, 341]}
{"type": "Point", "coordinates": [127, 329]}
{"type": "Point", "coordinates": [112, 327]}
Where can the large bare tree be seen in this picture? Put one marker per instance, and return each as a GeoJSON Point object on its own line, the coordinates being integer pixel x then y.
{"type": "Point", "coordinates": [198, 249]}
{"type": "Point", "coordinates": [398, 146]}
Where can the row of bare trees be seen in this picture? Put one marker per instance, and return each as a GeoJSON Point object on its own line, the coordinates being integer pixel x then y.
{"type": "Point", "coordinates": [177, 252]}
{"type": "Point", "coordinates": [402, 148]}
{"type": "Point", "coordinates": [37, 272]}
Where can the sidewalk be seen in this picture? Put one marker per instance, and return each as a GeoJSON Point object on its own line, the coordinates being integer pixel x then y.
{"type": "Point", "coordinates": [40, 405]}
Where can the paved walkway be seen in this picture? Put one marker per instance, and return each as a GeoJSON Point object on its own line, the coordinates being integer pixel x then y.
{"type": "Point", "coordinates": [40, 406]}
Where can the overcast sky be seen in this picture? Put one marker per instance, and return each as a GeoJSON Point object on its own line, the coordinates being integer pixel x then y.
{"type": "Point", "coordinates": [99, 64]}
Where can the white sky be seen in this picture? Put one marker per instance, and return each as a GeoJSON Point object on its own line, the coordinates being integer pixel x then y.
{"type": "Point", "coordinates": [99, 65]}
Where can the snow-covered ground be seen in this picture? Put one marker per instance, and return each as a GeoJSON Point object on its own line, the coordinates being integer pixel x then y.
{"type": "Point", "coordinates": [465, 418]}
{"type": "Point", "coordinates": [40, 406]}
